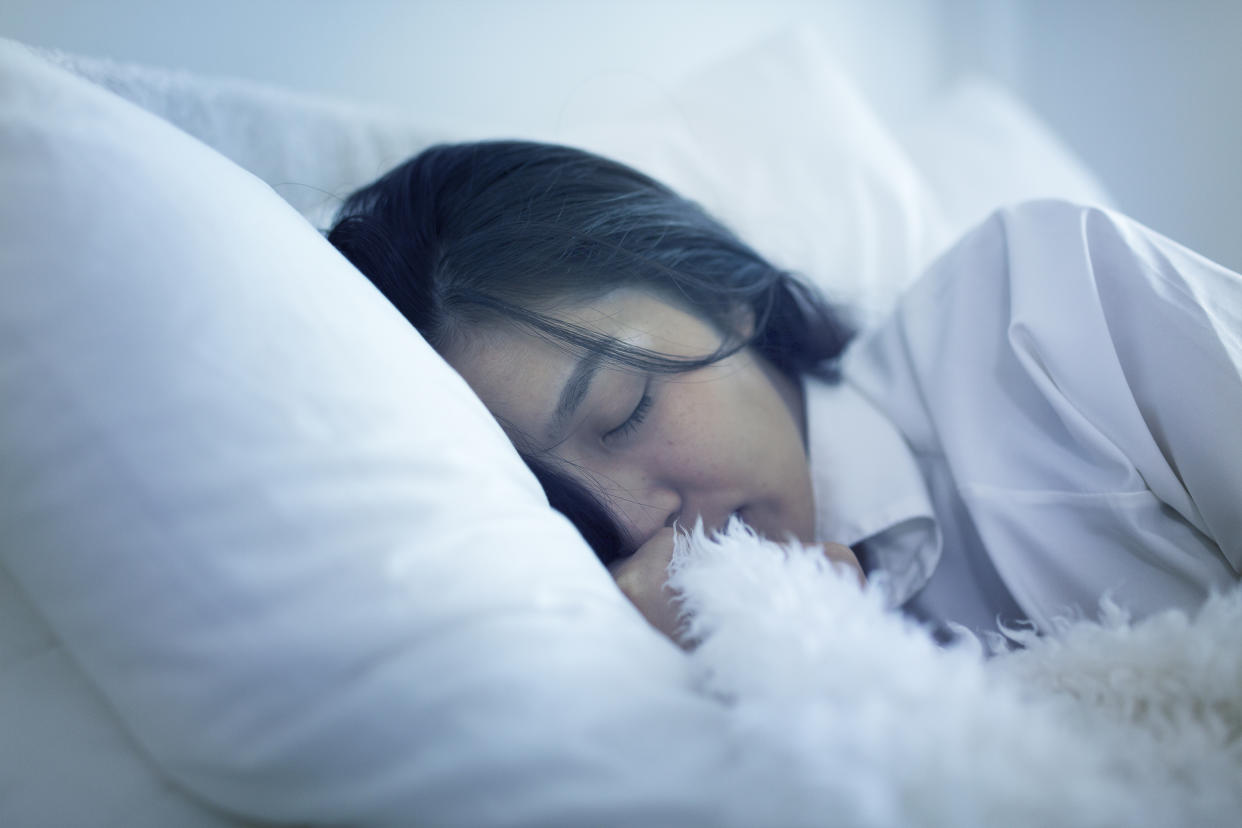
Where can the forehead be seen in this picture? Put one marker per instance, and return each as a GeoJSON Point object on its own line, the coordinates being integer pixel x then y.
{"type": "Point", "coordinates": [519, 374]}
{"type": "Point", "coordinates": [513, 371]}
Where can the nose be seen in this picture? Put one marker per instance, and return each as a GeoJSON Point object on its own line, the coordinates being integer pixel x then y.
{"type": "Point", "coordinates": [645, 513]}
{"type": "Point", "coordinates": [653, 490]}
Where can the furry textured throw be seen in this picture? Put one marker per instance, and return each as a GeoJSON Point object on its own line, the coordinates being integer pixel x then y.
{"type": "Point", "coordinates": [1103, 722]}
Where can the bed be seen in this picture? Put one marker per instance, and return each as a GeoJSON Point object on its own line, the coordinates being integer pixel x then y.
{"type": "Point", "coordinates": [240, 584]}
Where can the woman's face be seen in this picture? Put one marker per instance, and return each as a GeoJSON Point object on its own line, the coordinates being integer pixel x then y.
{"type": "Point", "coordinates": [655, 448]}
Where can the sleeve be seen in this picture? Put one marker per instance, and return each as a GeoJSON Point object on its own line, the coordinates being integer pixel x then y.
{"type": "Point", "coordinates": [1073, 382]}
{"type": "Point", "coordinates": [1167, 322]}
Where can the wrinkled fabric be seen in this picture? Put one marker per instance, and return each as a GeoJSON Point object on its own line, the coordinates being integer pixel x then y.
{"type": "Point", "coordinates": [1068, 384]}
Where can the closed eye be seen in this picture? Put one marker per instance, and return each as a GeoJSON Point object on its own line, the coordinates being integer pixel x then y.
{"type": "Point", "coordinates": [633, 421]}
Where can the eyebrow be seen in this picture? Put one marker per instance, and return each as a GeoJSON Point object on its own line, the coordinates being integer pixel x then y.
{"type": "Point", "coordinates": [574, 392]}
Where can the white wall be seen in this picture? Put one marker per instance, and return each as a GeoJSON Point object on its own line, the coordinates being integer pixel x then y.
{"type": "Point", "coordinates": [483, 65]}
{"type": "Point", "coordinates": [1146, 91]}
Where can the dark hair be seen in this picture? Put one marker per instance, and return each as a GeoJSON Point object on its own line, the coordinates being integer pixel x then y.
{"type": "Point", "coordinates": [505, 230]}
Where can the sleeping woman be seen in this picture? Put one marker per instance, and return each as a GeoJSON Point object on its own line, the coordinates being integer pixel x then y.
{"type": "Point", "coordinates": [1052, 414]}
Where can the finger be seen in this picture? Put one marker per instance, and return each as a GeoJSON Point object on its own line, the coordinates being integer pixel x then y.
{"type": "Point", "coordinates": [642, 578]}
{"type": "Point", "coordinates": [845, 556]}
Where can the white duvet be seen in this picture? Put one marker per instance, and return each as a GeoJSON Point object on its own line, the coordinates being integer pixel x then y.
{"type": "Point", "coordinates": [1104, 722]}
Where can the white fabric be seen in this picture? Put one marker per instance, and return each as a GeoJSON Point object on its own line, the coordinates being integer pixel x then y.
{"type": "Point", "coordinates": [977, 147]}
{"type": "Point", "coordinates": [779, 144]}
{"type": "Point", "coordinates": [1070, 385]}
{"type": "Point", "coordinates": [61, 736]}
{"type": "Point", "coordinates": [1091, 725]}
{"type": "Point", "coordinates": [313, 151]}
{"type": "Point", "coordinates": [233, 499]}
{"type": "Point", "coordinates": [868, 487]}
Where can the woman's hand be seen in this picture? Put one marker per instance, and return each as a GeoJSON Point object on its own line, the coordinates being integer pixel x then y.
{"type": "Point", "coordinates": [843, 555]}
{"type": "Point", "coordinates": [642, 576]}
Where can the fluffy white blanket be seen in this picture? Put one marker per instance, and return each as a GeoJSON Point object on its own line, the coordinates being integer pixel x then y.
{"type": "Point", "coordinates": [1107, 722]}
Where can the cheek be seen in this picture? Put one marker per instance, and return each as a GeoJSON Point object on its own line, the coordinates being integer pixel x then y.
{"type": "Point", "coordinates": [696, 434]}
{"type": "Point", "coordinates": [733, 424]}
{"type": "Point", "coordinates": [715, 402]}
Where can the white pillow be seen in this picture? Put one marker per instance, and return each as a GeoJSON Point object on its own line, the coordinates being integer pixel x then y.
{"type": "Point", "coordinates": [65, 758]}
{"type": "Point", "coordinates": [312, 150]}
{"type": "Point", "coordinates": [978, 147]}
{"type": "Point", "coordinates": [280, 539]}
{"type": "Point", "coordinates": [779, 143]}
